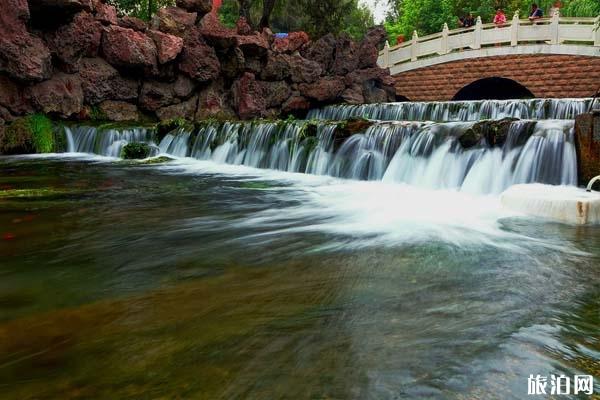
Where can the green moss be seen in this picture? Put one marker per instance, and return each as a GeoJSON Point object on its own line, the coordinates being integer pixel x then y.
{"type": "Point", "coordinates": [135, 151]}
{"type": "Point", "coordinates": [156, 160]}
{"type": "Point", "coordinates": [27, 135]}
{"type": "Point", "coordinates": [96, 114]}
{"type": "Point", "coordinates": [165, 127]}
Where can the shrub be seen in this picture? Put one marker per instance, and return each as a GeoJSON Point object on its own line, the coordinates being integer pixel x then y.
{"type": "Point", "coordinates": [135, 151]}
{"type": "Point", "coordinates": [27, 135]}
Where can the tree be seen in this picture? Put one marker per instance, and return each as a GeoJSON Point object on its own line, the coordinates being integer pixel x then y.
{"type": "Point", "coordinates": [268, 6]}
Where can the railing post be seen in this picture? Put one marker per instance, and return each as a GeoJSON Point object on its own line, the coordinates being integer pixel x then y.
{"type": "Point", "coordinates": [554, 39]}
{"type": "Point", "coordinates": [414, 47]}
{"type": "Point", "coordinates": [597, 32]}
{"type": "Point", "coordinates": [444, 43]}
{"type": "Point", "coordinates": [477, 44]}
{"type": "Point", "coordinates": [386, 55]}
{"type": "Point", "coordinates": [514, 30]}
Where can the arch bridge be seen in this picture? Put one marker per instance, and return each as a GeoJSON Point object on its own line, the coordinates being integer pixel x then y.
{"type": "Point", "coordinates": [553, 57]}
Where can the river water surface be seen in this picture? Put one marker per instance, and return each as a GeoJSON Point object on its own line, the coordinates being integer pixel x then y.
{"type": "Point", "coordinates": [193, 280]}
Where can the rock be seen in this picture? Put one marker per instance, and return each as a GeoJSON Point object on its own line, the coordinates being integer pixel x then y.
{"type": "Point", "coordinates": [133, 23]}
{"type": "Point", "coordinates": [174, 20]}
{"type": "Point", "coordinates": [198, 6]}
{"type": "Point", "coordinates": [27, 135]}
{"type": "Point", "coordinates": [186, 109]}
{"type": "Point", "coordinates": [5, 116]}
{"type": "Point", "coordinates": [369, 47]}
{"type": "Point", "coordinates": [50, 14]}
{"type": "Point", "coordinates": [254, 65]}
{"type": "Point", "coordinates": [353, 95]}
{"type": "Point", "coordinates": [303, 70]}
{"type": "Point", "coordinates": [155, 95]}
{"type": "Point", "coordinates": [278, 67]}
{"type": "Point", "coordinates": [198, 60]}
{"type": "Point", "coordinates": [183, 86]}
{"type": "Point", "coordinates": [136, 151]}
{"type": "Point", "coordinates": [243, 27]}
{"type": "Point", "coordinates": [253, 45]}
{"type": "Point", "coordinates": [216, 34]}
{"type": "Point", "coordinates": [14, 12]}
{"type": "Point", "coordinates": [100, 81]}
{"type": "Point", "coordinates": [360, 76]}
{"type": "Point", "coordinates": [78, 39]}
{"type": "Point", "coordinates": [322, 51]}
{"type": "Point", "coordinates": [346, 55]}
{"type": "Point", "coordinates": [296, 105]}
{"type": "Point", "coordinates": [232, 63]}
{"type": "Point", "coordinates": [373, 93]}
{"type": "Point", "coordinates": [213, 102]}
{"type": "Point", "coordinates": [12, 97]}
{"type": "Point", "coordinates": [168, 46]}
{"type": "Point", "coordinates": [119, 111]}
{"type": "Point", "coordinates": [587, 142]}
{"type": "Point", "coordinates": [492, 133]}
{"type": "Point", "coordinates": [248, 97]}
{"type": "Point", "coordinates": [292, 43]}
{"type": "Point", "coordinates": [106, 14]}
{"type": "Point", "coordinates": [324, 90]}
{"type": "Point", "coordinates": [123, 47]}
{"type": "Point", "coordinates": [61, 95]}
{"type": "Point", "coordinates": [276, 93]}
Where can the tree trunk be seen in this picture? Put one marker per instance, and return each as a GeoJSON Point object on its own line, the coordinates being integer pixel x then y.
{"type": "Point", "coordinates": [245, 10]}
{"type": "Point", "coordinates": [268, 6]}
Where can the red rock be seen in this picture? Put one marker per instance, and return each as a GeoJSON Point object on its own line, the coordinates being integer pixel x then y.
{"type": "Point", "coordinates": [296, 104]}
{"type": "Point", "coordinates": [199, 6]}
{"type": "Point", "coordinates": [186, 109]}
{"type": "Point", "coordinates": [106, 14]}
{"type": "Point", "coordinates": [353, 95]}
{"type": "Point", "coordinates": [303, 70]}
{"type": "Point", "coordinates": [198, 60]}
{"type": "Point", "coordinates": [322, 51]}
{"type": "Point", "coordinates": [278, 67]}
{"type": "Point", "coordinates": [124, 47]}
{"type": "Point", "coordinates": [215, 33]}
{"type": "Point", "coordinates": [346, 55]}
{"type": "Point", "coordinates": [213, 102]}
{"type": "Point", "coordinates": [276, 93]}
{"type": "Point", "coordinates": [253, 45]}
{"type": "Point", "coordinates": [292, 43]}
{"type": "Point", "coordinates": [168, 46]}
{"type": "Point", "coordinates": [248, 97]}
{"type": "Point", "coordinates": [324, 90]}
{"type": "Point", "coordinates": [61, 95]}
{"type": "Point", "coordinates": [133, 23]}
{"type": "Point", "coordinates": [369, 47]}
{"type": "Point", "coordinates": [78, 39]}
{"type": "Point", "coordinates": [374, 94]}
{"type": "Point", "coordinates": [61, 8]}
{"type": "Point", "coordinates": [183, 86]}
{"type": "Point", "coordinates": [155, 95]}
{"type": "Point", "coordinates": [243, 27]}
{"type": "Point", "coordinates": [12, 97]}
{"type": "Point", "coordinates": [119, 111]}
{"type": "Point", "coordinates": [100, 81]}
{"type": "Point", "coordinates": [232, 63]}
{"type": "Point", "coordinates": [174, 20]}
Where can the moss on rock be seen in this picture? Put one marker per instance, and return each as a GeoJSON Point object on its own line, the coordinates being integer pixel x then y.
{"type": "Point", "coordinates": [28, 135]}
{"type": "Point", "coordinates": [135, 151]}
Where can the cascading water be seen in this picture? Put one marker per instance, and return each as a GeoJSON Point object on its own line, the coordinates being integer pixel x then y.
{"type": "Point", "coordinates": [421, 144]}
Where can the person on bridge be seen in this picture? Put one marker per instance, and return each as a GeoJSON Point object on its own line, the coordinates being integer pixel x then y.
{"type": "Point", "coordinates": [555, 9]}
{"type": "Point", "coordinates": [500, 18]}
{"type": "Point", "coordinates": [536, 12]}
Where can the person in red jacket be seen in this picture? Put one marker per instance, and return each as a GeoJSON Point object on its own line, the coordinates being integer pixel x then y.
{"type": "Point", "coordinates": [500, 18]}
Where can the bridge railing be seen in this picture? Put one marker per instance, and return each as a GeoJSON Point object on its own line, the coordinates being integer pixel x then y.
{"type": "Point", "coordinates": [554, 30]}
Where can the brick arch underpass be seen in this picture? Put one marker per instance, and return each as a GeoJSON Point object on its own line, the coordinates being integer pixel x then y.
{"type": "Point", "coordinates": [544, 75]}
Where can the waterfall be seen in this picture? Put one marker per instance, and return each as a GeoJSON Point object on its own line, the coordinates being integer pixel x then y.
{"type": "Point", "coordinates": [461, 152]}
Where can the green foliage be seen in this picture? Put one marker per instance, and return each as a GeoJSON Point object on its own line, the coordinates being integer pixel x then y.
{"type": "Point", "coordinates": [27, 135]}
{"type": "Point", "coordinates": [143, 9]}
{"type": "Point", "coordinates": [135, 151]}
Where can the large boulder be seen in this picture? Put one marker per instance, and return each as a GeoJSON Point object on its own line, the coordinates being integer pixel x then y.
{"type": "Point", "coordinates": [276, 93]}
{"type": "Point", "coordinates": [353, 95]}
{"type": "Point", "coordinates": [199, 60]}
{"type": "Point", "coordinates": [155, 95]}
{"type": "Point", "coordinates": [78, 39]}
{"type": "Point", "coordinates": [61, 95]}
{"type": "Point", "coordinates": [118, 111]}
{"type": "Point", "coordinates": [326, 89]}
{"type": "Point", "coordinates": [12, 97]}
{"type": "Point", "coordinates": [173, 20]}
{"type": "Point", "coordinates": [293, 42]}
{"type": "Point", "coordinates": [50, 14]}
{"type": "Point", "coordinates": [183, 86]}
{"type": "Point", "coordinates": [100, 81]}
{"type": "Point", "coordinates": [322, 51]}
{"type": "Point", "coordinates": [168, 46]}
{"type": "Point", "coordinates": [296, 105]}
{"type": "Point", "coordinates": [198, 6]}
{"type": "Point", "coordinates": [216, 34]}
{"type": "Point", "coordinates": [587, 132]}
{"type": "Point", "coordinates": [248, 97]}
{"type": "Point", "coordinates": [277, 68]}
{"type": "Point", "coordinates": [133, 23]}
{"type": "Point", "coordinates": [255, 45]}
{"type": "Point", "coordinates": [346, 55]}
{"type": "Point", "coordinates": [243, 27]}
{"type": "Point", "coordinates": [123, 47]}
{"type": "Point", "coordinates": [232, 63]}
{"type": "Point", "coordinates": [185, 109]}
{"type": "Point", "coordinates": [304, 70]}
{"type": "Point", "coordinates": [106, 14]}
{"type": "Point", "coordinates": [369, 47]}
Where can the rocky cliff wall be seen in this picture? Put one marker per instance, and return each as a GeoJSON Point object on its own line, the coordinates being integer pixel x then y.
{"type": "Point", "coordinates": [77, 59]}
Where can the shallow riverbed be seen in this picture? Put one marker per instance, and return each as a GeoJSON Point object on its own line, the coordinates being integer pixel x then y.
{"type": "Point", "coordinates": [194, 280]}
